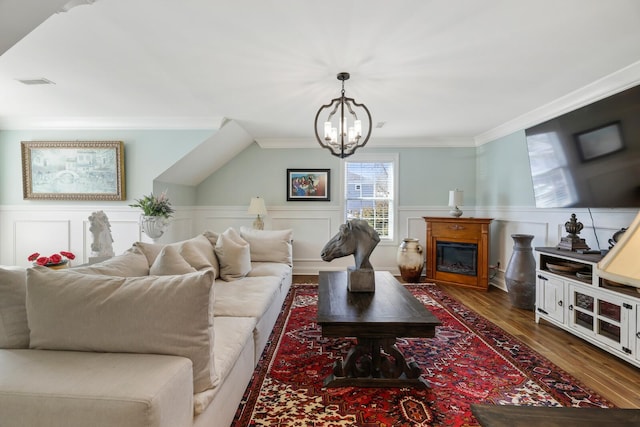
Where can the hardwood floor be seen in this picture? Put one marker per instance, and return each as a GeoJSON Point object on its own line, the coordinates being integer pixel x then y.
{"type": "Point", "coordinates": [612, 378]}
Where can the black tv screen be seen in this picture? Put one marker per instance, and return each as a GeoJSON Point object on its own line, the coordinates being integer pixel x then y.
{"type": "Point", "coordinates": [589, 157]}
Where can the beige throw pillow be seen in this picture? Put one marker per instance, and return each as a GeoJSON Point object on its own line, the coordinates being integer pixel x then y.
{"type": "Point", "coordinates": [213, 239]}
{"type": "Point", "coordinates": [233, 254]}
{"type": "Point", "coordinates": [132, 263]}
{"type": "Point", "coordinates": [14, 331]}
{"type": "Point", "coordinates": [197, 251]}
{"type": "Point", "coordinates": [171, 315]}
{"type": "Point", "coordinates": [170, 262]}
{"type": "Point", "coordinates": [269, 245]}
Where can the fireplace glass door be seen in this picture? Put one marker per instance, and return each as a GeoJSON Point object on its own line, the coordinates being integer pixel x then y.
{"type": "Point", "coordinates": [457, 258]}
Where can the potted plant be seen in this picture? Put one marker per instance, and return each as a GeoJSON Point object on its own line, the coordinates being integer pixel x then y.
{"type": "Point", "coordinates": [156, 213]}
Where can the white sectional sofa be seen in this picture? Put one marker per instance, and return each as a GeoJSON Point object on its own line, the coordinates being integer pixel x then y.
{"type": "Point", "coordinates": [162, 335]}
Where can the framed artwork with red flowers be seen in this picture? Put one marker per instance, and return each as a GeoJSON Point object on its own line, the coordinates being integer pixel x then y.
{"type": "Point", "coordinates": [79, 170]}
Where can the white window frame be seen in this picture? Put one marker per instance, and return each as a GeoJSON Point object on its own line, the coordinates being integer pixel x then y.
{"type": "Point", "coordinates": [393, 211]}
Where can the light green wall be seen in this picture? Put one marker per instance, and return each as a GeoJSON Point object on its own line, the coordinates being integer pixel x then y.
{"type": "Point", "coordinates": [426, 175]}
{"type": "Point", "coordinates": [262, 172]}
{"type": "Point", "coordinates": [503, 172]}
{"type": "Point", "coordinates": [179, 195]}
{"type": "Point", "coordinates": [494, 174]}
{"type": "Point", "coordinates": [147, 154]}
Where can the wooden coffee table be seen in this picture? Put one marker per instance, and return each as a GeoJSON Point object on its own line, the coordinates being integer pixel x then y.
{"type": "Point", "coordinates": [376, 319]}
{"type": "Point", "coordinates": [542, 416]}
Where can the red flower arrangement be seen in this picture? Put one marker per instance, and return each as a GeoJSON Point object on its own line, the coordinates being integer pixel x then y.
{"type": "Point", "coordinates": [54, 259]}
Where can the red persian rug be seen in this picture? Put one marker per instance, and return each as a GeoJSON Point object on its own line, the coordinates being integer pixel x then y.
{"type": "Point", "coordinates": [469, 361]}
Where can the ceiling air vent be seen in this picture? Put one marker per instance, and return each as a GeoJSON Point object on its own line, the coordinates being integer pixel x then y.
{"type": "Point", "coordinates": [41, 81]}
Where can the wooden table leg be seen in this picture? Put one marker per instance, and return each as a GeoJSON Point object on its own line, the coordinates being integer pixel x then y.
{"type": "Point", "coordinates": [374, 362]}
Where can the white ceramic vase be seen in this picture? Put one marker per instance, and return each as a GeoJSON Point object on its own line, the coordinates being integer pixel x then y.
{"type": "Point", "coordinates": [154, 226]}
{"type": "Point", "coordinates": [410, 259]}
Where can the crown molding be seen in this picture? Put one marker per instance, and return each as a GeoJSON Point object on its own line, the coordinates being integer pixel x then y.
{"type": "Point", "coordinates": [268, 143]}
{"type": "Point", "coordinates": [618, 81]}
{"type": "Point", "coordinates": [84, 123]}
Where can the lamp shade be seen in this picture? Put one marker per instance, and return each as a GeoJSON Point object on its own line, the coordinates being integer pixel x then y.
{"type": "Point", "coordinates": [257, 206]}
{"type": "Point", "coordinates": [455, 198]}
{"type": "Point", "coordinates": [621, 262]}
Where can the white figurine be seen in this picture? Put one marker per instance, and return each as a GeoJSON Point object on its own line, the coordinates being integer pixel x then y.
{"type": "Point", "coordinates": [102, 246]}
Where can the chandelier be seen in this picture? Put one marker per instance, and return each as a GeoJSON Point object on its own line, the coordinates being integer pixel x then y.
{"type": "Point", "coordinates": [342, 130]}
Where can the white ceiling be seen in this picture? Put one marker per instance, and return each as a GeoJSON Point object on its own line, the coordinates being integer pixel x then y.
{"type": "Point", "coordinates": [439, 70]}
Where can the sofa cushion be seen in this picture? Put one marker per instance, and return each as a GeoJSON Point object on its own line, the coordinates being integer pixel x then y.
{"type": "Point", "coordinates": [233, 254]}
{"type": "Point", "coordinates": [14, 330]}
{"type": "Point", "coordinates": [171, 315]}
{"type": "Point", "coordinates": [132, 263]}
{"type": "Point", "coordinates": [170, 262]}
{"type": "Point", "coordinates": [233, 336]}
{"type": "Point", "coordinates": [259, 269]}
{"type": "Point", "coordinates": [79, 389]}
{"type": "Point", "coordinates": [269, 245]}
{"type": "Point", "coordinates": [197, 251]}
{"type": "Point", "coordinates": [248, 297]}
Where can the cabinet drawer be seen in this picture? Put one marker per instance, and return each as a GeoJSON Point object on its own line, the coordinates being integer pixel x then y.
{"type": "Point", "coordinates": [457, 231]}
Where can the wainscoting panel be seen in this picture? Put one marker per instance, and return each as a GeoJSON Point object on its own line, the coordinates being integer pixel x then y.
{"type": "Point", "coordinates": [51, 228]}
{"type": "Point", "coordinates": [43, 236]}
{"type": "Point", "coordinates": [180, 228]}
{"type": "Point", "coordinates": [309, 237]}
{"type": "Point", "coordinates": [219, 224]}
{"type": "Point", "coordinates": [416, 229]}
{"type": "Point", "coordinates": [596, 239]}
{"type": "Point", "coordinates": [121, 233]}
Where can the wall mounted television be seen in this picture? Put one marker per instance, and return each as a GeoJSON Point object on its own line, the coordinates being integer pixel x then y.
{"type": "Point", "coordinates": [589, 157]}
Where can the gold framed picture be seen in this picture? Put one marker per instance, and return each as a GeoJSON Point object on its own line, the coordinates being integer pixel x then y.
{"type": "Point", "coordinates": [80, 170]}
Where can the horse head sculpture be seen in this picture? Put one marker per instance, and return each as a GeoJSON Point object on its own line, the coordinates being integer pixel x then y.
{"type": "Point", "coordinates": [100, 228]}
{"type": "Point", "coordinates": [355, 237]}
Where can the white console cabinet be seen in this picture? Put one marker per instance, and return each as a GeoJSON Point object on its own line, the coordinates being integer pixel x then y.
{"type": "Point", "coordinates": [571, 295]}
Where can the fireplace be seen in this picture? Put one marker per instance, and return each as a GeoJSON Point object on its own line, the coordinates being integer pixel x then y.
{"type": "Point", "coordinates": [457, 251]}
{"type": "Point", "coordinates": [458, 258]}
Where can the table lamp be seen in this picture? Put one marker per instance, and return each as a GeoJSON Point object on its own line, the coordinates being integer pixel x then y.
{"type": "Point", "coordinates": [257, 207]}
{"type": "Point", "coordinates": [620, 264]}
{"type": "Point", "coordinates": [455, 200]}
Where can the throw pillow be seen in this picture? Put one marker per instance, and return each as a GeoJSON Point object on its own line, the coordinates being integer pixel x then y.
{"type": "Point", "coordinates": [170, 262]}
{"type": "Point", "coordinates": [269, 245]}
{"type": "Point", "coordinates": [150, 250]}
{"type": "Point", "coordinates": [233, 254]}
{"type": "Point", "coordinates": [171, 315]}
{"type": "Point", "coordinates": [197, 251]}
{"type": "Point", "coordinates": [213, 239]}
{"type": "Point", "coordinates": [14, 330]}
{"type": "Point", "coordinates": [131, 263]}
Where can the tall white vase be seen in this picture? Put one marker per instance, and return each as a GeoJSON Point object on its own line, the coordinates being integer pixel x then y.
{"type": "Point", "coordinates": [154, 226]}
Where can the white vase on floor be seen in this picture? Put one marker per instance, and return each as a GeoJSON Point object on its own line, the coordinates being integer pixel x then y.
{"type": "Point", "coordinates": [410, 259]}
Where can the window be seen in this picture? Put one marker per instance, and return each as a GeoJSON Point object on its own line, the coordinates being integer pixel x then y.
{"type": "Point", "coordinates": [370, 190]}
{"type": "Point", "coordinates": [552, 181]}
